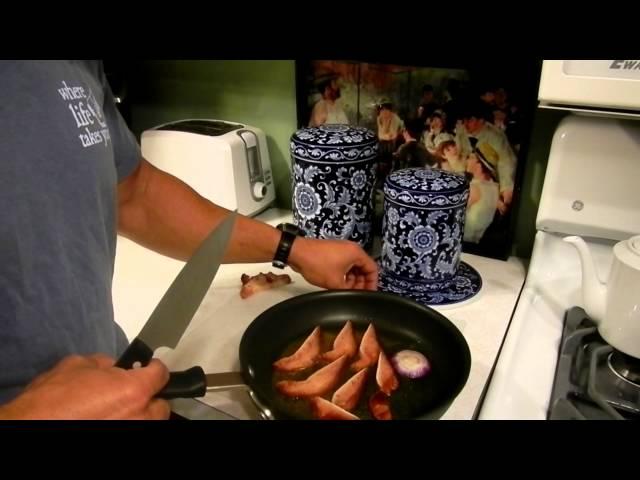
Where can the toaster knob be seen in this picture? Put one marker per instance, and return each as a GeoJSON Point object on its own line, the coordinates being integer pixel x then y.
{"type": "Point", "coordinates": [259, 190]}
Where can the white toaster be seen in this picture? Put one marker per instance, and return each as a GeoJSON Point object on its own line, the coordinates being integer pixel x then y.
{"type": "Point", "coordinates": [227, 163]}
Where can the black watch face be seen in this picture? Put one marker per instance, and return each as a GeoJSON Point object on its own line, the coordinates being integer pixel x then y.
{"type": "Point", "coordinates": [291, 228]}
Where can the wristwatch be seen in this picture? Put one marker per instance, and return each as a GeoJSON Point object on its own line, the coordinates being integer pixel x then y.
{"type": "Point", "coordinates": [289, 234]}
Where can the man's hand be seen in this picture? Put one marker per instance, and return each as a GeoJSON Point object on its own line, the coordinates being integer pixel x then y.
{"type": "Point", "coordinates": [334, 264]}
{"type": "Point", "coordinates": [91, 388]}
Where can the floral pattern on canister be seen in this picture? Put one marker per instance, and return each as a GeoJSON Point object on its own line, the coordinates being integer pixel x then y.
{"type": "Point", "coordinates": [423, 224]}
{"type": "Point", "coordinates": [333, 173]}
{"type": "Point", "coordinates": [423, 227]}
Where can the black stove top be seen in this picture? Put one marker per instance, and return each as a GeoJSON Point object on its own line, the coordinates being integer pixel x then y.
{"type": "Point", "coordinates": [589, 383]}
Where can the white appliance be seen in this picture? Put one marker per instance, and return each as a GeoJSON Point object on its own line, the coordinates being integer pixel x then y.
{"type": "Point", "coordinates": [591, 190]}
{"type": "Point", "coordinates": [592, 85]}
{"type": "Point", "coordinates": [227, 163]}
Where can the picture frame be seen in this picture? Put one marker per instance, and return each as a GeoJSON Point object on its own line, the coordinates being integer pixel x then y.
{"type": "Point", "coordinates": [476, 118]}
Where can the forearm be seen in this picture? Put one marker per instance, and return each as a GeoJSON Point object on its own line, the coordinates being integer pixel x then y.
{"type": "Point", "coordinates": [164, 214]}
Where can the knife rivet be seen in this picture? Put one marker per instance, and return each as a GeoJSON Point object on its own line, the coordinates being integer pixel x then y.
{"type": "Point", "coordinates": [137, 364]}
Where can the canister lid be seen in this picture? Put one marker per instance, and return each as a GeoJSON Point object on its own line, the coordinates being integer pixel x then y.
{"type": "Point", "coordinates": [334, 143]}
{"type": "Point", "coordinates": [426, 188]}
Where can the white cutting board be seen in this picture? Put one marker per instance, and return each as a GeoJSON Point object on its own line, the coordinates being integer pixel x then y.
{"type": "Point", "coordinates": [211, 340]}
{"type": "Point", "coordinates": [213, 337]}
{"type": "Point", "coordinates": [141, 277]}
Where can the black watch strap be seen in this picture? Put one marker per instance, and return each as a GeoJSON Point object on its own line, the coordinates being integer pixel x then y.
{"type": "Point", "coordinates": [284, 248]}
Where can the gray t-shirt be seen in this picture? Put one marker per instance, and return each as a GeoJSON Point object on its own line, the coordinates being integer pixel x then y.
{"type": "Point", "coordinates": [63, 149]}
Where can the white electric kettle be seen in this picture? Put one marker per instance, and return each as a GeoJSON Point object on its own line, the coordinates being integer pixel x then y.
{"type": "Point", "coordinates": [614, 305]}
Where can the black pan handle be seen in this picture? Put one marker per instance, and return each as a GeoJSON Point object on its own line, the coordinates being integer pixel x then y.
{"type": "Point", "coordinates": [189, 383]}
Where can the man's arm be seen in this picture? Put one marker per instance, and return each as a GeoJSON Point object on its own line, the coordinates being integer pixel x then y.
{"type": "Point", "coordinates": [162, 213]}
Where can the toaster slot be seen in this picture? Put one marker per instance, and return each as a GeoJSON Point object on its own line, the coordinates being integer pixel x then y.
{"type": "Point", "coordinates": [256, 175]}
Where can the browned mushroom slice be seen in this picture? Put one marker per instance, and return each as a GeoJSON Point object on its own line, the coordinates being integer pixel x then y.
{"type": "Point", "coordinates": [379, 406]}
{"type": "Point", "coordinates": [348, 395]}
{"type": "Point", "coordinates": [304, 357]}
{"type": "Point", "coordinates": [261, 282]}
{"type": "Point", "coordinates": [317, 384]}
{"type": "Point", "coordinates": [385, 376]}
{"type": "Point", "coordinates": [325, 410]}
{"type": "Point", "coordinates": [344, 344]}
{"type": "Point", "coordinates": [369, 350]}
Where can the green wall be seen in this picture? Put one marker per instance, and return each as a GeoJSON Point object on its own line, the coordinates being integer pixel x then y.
{"type": "Point", "coordinates": [262, 93]}
{"type": "Point", "coordinates": [544, 125]}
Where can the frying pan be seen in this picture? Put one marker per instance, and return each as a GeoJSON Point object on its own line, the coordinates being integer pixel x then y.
{"type": "Point", "coordinates": [400, 324]}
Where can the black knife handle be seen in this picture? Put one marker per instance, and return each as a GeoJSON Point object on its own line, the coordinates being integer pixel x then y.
{"type": "Point", "coordinates": [137, 351]}
{"type": "Point", "coordinates": [190, 383]}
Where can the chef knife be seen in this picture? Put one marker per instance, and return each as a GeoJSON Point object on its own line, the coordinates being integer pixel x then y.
{"type": "Point", "coordinates": [174, 312]}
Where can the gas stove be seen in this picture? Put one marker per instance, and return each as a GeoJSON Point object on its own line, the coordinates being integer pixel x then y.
{"type": "Point", "coordinates": [593, 381]}
{"type": "Point", "coordinates": [553, 363]}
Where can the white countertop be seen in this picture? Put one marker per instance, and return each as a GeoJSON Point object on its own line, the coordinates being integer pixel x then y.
{"type": "Point", "coordinates": [212, 339]}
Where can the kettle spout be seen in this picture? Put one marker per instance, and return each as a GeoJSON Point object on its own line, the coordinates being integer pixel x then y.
{"type": "Point", "coordinates": [594, 292]}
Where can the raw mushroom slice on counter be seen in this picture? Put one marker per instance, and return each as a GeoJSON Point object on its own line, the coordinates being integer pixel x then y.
{"type": "Point", "coordinates": [261, 282]}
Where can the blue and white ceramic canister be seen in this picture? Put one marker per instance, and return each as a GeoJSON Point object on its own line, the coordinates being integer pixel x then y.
{"type": "Point", "coordinates": [333, 174]}
{"type": "Point", "coordinates": [423, 225]}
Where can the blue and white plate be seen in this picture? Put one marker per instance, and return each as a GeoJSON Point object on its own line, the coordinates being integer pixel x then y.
{"type": "Point", "coordinates": [463, 286]}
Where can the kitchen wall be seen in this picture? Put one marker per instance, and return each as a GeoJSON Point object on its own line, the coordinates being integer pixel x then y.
{"type": "Point", "coordinates": [262, 93]}
{"type": "Point", "coordinates": [544, 125]}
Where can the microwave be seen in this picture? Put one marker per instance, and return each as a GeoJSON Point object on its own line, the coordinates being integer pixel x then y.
{"type": "Point", "coordinates": [591, 86]}
{"type": "Point", "coordinates": [227, 163]}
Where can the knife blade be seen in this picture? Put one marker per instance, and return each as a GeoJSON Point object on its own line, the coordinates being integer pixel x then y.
{"type": "Point", "coordinates": [174, 312]}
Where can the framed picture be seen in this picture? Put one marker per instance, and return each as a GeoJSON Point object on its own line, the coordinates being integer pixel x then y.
{"type": "Point", "coordinates": [470, 118]}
